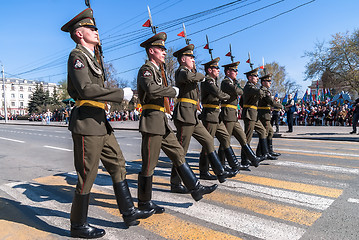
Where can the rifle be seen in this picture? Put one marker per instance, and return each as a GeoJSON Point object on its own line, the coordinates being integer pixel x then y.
{"type": "Point", "coordinates": [98, 48]}
{"type": "Point", "coordinates": [166, 102]}
{"type": "Point", "coordinates": [194, 69]}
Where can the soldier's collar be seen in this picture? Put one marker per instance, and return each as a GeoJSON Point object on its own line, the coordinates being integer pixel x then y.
{"type": "Point", "coordinates": [89, 50]}
{"type": "Point", "coordinates": [155, 65]}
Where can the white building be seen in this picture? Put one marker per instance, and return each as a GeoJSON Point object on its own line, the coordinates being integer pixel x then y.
{"type": "Point", "coordinates": [18, 93]}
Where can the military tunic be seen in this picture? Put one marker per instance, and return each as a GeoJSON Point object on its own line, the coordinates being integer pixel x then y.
{"type": "Point", "coordinates": [92, 135]}
{"type": "Point", "coordinates": [211, 97]}
{"type": "Point", "coordinates": [185, 112]}
{"type": "Point", "coordinates": [154, 127]}
{"type": "Point", "coordinates": [229, 110]}
{"type": "Point", "coordinates": [249, 100]}
{"type": "Point", "coordinates": [264, 111]}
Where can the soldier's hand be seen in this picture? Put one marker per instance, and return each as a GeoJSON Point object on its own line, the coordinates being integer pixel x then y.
{"type": "Point", "coordinates": [127, 94]}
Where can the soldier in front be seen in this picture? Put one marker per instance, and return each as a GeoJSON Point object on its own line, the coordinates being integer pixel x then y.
{"type": "Point", "coordinates": [92, 135]}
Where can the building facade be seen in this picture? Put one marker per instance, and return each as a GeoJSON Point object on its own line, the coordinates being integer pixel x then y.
{"type": "Point", "coordinates": [18, 93]}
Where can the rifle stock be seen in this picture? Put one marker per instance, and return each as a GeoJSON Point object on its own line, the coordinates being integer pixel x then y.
{"type": "Point", "coordinates": [166, 99]}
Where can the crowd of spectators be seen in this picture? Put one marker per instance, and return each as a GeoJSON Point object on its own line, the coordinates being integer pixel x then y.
{"type": "Point", "coordinates": [322, 114]}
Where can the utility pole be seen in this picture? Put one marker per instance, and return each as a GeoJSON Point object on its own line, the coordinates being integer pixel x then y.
{"type": "Point", "coordinates": [3, 84]}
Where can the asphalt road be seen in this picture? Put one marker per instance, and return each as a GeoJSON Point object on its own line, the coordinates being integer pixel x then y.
{"type": "Point", "coordinates": [311, 192]}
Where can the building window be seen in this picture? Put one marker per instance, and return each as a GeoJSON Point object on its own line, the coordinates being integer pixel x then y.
{"type": "Point", "coordinates": [21, 88]}
{"type": "Point", "coordinates": [21, 104]}
{"type": "Point", "coordinates": [30, 95]}
{"type": "Point", "coordinates": [12, 104]}
{"type": "Point", "coordinates": [21, 95]}
{"type": "Point", "coordinates": [29, 89]}
{"type": "Point", "coordinates": [12, 95]}
{"type": "Point", "coordinates": [12, 87]}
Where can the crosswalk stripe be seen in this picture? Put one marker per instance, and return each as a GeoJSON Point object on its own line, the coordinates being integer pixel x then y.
{"type": "Point", "coordinates": [299, 187]}
{"type": "Point", "coordinates": [288, 213]}
{"type": "Point", "coordinates": [295, 198]}
{"type": "Point", "coordinates": [316, 167]}
{"type": "Point", "coordinates": [275, 210]}
{"type": "Point", "coordinates": [20, 231]}
{"type": "Point", "coordinates": [160, 224]}
{"type": "Point", "coordinates": [326, 155]}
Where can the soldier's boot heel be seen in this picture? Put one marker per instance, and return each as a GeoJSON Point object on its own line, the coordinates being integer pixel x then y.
{"type": "Point", "coordinates": [217, 167]}
{"type": "Point", "coordinates": [270, 148]}
{"type": "Point", "coordinates": [192, 184]}
{"type": "Point", "coordinates": [204, 168]}
{"type": "Point", "coordinates": [244, 161]}
{"type": "Point", "coordinates": [144, 192]}
{"type": "Point", "coordinates": [79, 226]}
{"type": "Point", "coordinates": [248, 152]}
{"type": "Point", "coordinates": [124, 200]}
{"type": "Point", "coordinates": [232, 161]}
{"type": "Point", "coordinates": [265, 151]}
{"type": "Point", "coordinates": [176, 186]}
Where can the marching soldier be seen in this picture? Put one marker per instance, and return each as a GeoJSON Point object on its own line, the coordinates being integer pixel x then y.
{"type": "Point", "coordinates": [92, 135]}
{"type": "Point", "coordinates": [275, 115]}
{"type": "Point", "coordinates": [251, 96]}
{"type": "Point", "coordinates": [185, 112]}
{"type": "Point", "coordinates": [156, 133]}
{"type": "Point", "coordinates": [264, 111]}
{"type": "Point", "coordinates": [211, 97]}
{"type": "Point", "coordinates": [229, 113]}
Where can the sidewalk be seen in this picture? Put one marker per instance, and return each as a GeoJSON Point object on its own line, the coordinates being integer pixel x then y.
{"type": "Point", "coordinates": [332, 133]}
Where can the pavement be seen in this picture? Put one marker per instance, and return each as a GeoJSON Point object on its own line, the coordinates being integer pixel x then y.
{"type": "Point", "coordinates": [331, 133]}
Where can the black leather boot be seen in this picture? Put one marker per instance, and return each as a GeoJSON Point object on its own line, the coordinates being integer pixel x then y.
{"type": "Point", "coordinates": [270, 148]}
{"type": "Point", "coordinates": [264, 149]}
{"type": "Point", "coordinates": [244, 162]}
{"type": "Point", "coordinates": [204, 168]}
{"type": "Point", "coordinates": [191, 182]}
{"type": "Point", "coordinates": [251, 156]}
{"type": "Point", "coordinates": [176, 184]}
{"type": "Point", "coordinates": [145, 195]}
{"type": "Point", "coordinates": [232, 159]}
{"type": "Point", "coordinates": [79, 226]}
{"type": "Point", "coordinates": [217, 167]}
{"type": "Point", "coordinates": [124, 200]}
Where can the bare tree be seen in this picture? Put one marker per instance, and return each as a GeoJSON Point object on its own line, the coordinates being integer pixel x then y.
{"type": "Point", "coordinates": [338, 64]}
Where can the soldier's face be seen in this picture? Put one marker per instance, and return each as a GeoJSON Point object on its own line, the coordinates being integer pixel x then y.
{"type": "Point", "coordinates": [253, 79]}
{"type": "Point", "coordinates": [232, 74]}
{"type": "Point", "coordinates": [88, 35]}
{"type": "Point", "coordinates": [188, 61]}
{"type": "Point", "coordinates": [213, 72]}
{"type": "Point", "coordinates": [157, 54]}
{"type": "Point", "coordinates": [266, 83]}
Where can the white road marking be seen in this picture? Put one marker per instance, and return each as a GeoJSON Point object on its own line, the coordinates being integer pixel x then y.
{"type": "Point", "coordinates": [353, 200]}
{"type": "Point", "coordinates": [316, 152]}
{"type": "Point", "coordinates": [58, 148]}
{"type": "Point", "coordinates": [316, 167]}
{"type": "Point", "coordinates": [13, 140]}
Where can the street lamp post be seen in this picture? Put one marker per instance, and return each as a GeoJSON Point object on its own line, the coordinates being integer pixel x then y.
{"type": "Point", "coordinates": [3, 83]}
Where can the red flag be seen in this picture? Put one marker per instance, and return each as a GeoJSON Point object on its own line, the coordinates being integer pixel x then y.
{"type": "Point", "coordinates": [228, 54]}
{"type": "Point", "coordinates": [261, 67]}
{"type": "Point", "coordinates": [181, 34]}
{"type": "Point", "coordinates": [147, 23]}
{"type": "Point", "coordinates": [206, 47]}
{"type": "Point", "coordinates": [248, 61]}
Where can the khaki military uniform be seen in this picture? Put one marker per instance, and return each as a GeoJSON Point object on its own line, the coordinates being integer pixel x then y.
{"type": "Point", "coordinates": [156, 132]}
{"type": "Point", "coordinates": [249, 100]}
{"type": "Point", "coordinates": [185, 113]}
{"type": "Point", "coordinates": [92, 135]}
{"type": "Point", "coordinates": [211, 97]}
{"type": "Point", "coordinates": [229, 110]}
{"type": "Point", "coordinates": [264, 111]}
